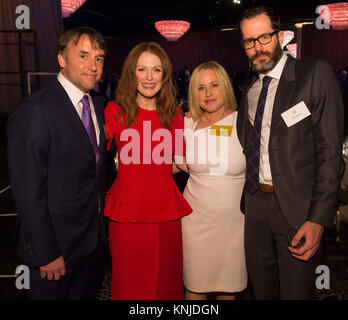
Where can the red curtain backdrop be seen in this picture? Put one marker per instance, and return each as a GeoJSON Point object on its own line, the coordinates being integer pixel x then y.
{"type": "Point", "coordinates": [191, 50]}
{"type": "Point", "coordinates": [330, 45]}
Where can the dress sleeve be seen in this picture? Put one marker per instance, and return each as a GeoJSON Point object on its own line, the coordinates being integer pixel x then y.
{"type": "Point", "coordinates": [110, 122]}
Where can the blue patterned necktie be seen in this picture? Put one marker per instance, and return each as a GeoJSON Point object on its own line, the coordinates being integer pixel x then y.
{"type": "Point", "coordinates": [88, 124]}
{"type": "Point", "coordinates": [253, 158]}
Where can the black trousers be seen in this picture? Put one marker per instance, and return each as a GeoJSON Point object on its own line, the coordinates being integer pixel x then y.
{"type": "Point", "coordinates": [79, 283]}
{"type": "Point", "coordinates": [273, 272]}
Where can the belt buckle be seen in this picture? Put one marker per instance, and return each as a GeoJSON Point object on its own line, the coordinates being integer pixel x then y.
{"type": "Point", "coordinates": [266, 188]}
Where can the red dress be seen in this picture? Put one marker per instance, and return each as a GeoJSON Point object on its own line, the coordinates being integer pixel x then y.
{"type": "Point", "coordinates": [145, 208]}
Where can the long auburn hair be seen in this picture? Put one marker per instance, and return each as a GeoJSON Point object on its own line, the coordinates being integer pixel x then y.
{"type": "Point", "coordinates": [126, 92]}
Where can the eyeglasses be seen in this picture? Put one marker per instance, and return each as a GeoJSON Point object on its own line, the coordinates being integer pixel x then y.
{"type": "Point", "coordinates": [263, 39]}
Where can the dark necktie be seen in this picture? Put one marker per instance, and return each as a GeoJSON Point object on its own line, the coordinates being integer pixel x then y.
{"type": "Point", "coordinates": [253, 158]}
{"type": "Point", "coordinates": [88, 124]}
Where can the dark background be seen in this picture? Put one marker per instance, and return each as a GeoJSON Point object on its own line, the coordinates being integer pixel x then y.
{"type": "Point", "coordinates": [126, 23]}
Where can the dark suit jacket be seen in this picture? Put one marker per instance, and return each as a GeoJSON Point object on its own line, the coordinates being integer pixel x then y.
{"type": "Point", "coordinates": [305, 159]}
{"type": "Point", "coordinates": [55, 181]}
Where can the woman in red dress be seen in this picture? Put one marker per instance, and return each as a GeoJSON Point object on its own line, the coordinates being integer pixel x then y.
{"type": "Point", "coordinates": [144, 205]}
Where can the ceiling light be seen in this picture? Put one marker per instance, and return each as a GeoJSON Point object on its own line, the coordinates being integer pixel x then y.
{"type": "Point", "coordinates": [172, 30]}
{"type": "Point", "coordinates": [228, 29]}
{"type": "Point", "coordinates": [299, 25]}
{"type": "Point", "coordinates": [287, 37]}
{"type": "Point", "coordinates": [70, 6]}
{"type": "Point", "coordinates": [337, 15]}
{"type": "Point", "coordinates": [292, 48]}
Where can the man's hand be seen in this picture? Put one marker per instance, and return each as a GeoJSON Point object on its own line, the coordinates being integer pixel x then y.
{"type": "Point", "coordinates": [53, 270]}
{"type": "Point", "coordinates": [312, 233]}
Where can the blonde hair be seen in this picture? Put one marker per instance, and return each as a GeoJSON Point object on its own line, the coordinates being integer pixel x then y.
{"type": "Point", "coordinates": [223, 80]}
{"type": "Point", "coordinates": [126, 93]}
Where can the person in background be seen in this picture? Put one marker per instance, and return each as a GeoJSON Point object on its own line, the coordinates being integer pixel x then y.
{"type": "Point", "coordinates": [56, 146]}
{"type": "Point", "coordinates": [144, 205]}
{"type": "Point", "coordinates": [187, 76]}
{"type": "Point", "coordinates": [290, 125]}
{"type": "Point", "coordinates": [343, 84]}
{"type": "Point", "coordinates": [213, 235]}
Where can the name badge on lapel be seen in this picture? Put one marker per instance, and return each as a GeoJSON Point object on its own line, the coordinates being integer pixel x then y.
{"type": "Point", "coordinates": [216, 130]}
{"type": "Point", "coordinates": [295, 114]}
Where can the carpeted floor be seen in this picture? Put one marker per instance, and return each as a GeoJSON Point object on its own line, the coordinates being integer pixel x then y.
{"type": "Point", "coordinates": [335, 257]}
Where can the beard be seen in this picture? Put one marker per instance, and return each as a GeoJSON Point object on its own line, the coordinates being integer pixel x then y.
{"type": "Point", "coordinates": [264, 67]}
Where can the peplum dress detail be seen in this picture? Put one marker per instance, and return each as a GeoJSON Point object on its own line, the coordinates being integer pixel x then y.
{"type": "Point", "coordinates": [145, 207]}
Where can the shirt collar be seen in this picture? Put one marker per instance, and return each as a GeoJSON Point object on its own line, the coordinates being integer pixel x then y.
{"type": "Point", "coordinates": [74, 93]}
{"type": "Point", "coordinates": [276, 72]}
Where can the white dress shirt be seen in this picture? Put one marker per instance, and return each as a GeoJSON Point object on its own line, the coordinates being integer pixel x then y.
{"type": "Point", "coordinates": [75, 95]}
{"type": "Point", "coordinates": [253, 97]}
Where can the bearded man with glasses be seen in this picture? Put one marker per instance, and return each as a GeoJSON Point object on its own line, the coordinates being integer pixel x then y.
{"type": "Point", "coordinates": [290, 125]}
{"type": "Point", "coordinates": [263, 40]}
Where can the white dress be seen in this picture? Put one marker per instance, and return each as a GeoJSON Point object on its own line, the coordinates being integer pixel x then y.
{"type": "Point", "coordinates": [213, 234]}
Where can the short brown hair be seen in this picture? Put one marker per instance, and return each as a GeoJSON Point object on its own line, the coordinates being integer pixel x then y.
{"type": "Point", "coordinates": [126, 93]}
{"type": "Point", "coordinates": [224, 81]}
{"type": "Point", "coordinates": [74, 35]}
{"type": "Point", "coordinates": [257, 10]}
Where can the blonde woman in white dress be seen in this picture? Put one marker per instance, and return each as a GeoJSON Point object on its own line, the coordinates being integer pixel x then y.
{"type": "Point", "coordinates": [213, 235]}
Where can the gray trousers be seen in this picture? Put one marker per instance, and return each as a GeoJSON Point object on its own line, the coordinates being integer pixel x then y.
{"type": "Point", "coordinates": [273, 272]}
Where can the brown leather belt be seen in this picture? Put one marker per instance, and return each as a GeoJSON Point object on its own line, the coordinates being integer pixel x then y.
{"type": "Point", "coordinates": [266, 187]}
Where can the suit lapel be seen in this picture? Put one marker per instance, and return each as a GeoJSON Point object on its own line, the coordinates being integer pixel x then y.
{"type": "Point", "coordinates": [253, 80]}
{"type": "Point", "coordinates": [285, 91]}
{"type": "Point", "coordinates": [99, 110]}
{"type": "Point", "coordinates": [73, 118]}
{"type": "Point", "coordinates": [244, 122]}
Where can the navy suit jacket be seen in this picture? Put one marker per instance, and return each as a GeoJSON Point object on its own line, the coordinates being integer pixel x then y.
{"type": "Point", "coordinates": [55, 180]}
{"type": "Point", "coordinates": [306, 158]}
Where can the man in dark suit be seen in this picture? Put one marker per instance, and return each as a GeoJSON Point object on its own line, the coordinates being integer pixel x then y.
{"type": "Point", "coordinates": [290, 124]}
{"type": "Point", "coordinates": [56, 158]}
